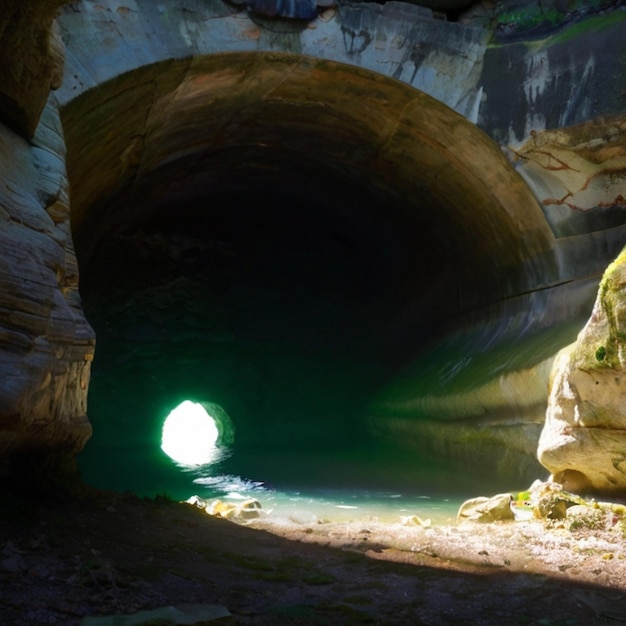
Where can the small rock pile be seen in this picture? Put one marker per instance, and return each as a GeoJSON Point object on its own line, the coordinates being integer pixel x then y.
{"type": "Point", "coordinates": [236, 512]}
{"type": "Point", "coordinates": [544, 501]}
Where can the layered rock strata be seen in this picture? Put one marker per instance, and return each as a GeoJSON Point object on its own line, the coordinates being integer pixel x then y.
{"type": "Point", "coordinates": [31, 55]}
{"type": "Point", "coordinates": [46, 343]}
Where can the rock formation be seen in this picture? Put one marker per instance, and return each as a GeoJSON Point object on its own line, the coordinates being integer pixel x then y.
{"type": "Point", "coordinates": [47, 345]}
{"type": "Point", "coordinates": [582, 443]}
{"type": "Point", "coordinates": [31, 53]}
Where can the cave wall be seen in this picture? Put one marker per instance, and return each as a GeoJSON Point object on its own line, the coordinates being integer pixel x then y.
{"type": "Point", "coordinates": [31, 53]}
{"type": "Point", "coordinates": [537, 98]}
{"type": "Point", "coordinates": [47, 344]}
{"type": "Point", "coordinates": [534, 91]}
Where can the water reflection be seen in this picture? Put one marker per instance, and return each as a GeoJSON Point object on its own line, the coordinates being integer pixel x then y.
{"type": "Point", "coordinates": [324, 488]}
{"type": "Point", "coordinates": [321, 505]}
{"type": "Point", "coordinates": [302, 485]}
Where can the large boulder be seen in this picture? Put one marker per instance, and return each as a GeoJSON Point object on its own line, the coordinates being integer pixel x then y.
{"type": "Point", "coordinates": [583, 442]}
{"type": "Point", "coordinates": [486, 510]}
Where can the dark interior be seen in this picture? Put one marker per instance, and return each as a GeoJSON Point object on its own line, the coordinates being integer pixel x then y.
{"type": "Point", "coordinates": [284, 262]}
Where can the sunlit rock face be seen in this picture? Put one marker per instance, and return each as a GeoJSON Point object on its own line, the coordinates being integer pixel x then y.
{"type": "Point", "coordinates": [565, 139]}
{"type": "Point", "coordinates": [579, 172]}
{"type": "Point", "coordinates": [582, 443]}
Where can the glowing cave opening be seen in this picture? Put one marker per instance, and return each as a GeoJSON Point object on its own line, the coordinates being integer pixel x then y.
{"type": "Point", "coordinates": [190, 435]}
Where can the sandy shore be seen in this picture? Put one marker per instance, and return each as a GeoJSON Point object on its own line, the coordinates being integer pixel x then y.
{"type": "Point", "coordinates": [111, 554]}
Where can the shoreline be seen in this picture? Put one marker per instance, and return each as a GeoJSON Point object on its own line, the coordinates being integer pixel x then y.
{"type": "Point", "coordinates": [116, 554]}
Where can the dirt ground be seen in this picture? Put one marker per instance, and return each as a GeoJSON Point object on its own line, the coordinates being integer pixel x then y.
{"type": "Point", "coordinates": [111, 554]}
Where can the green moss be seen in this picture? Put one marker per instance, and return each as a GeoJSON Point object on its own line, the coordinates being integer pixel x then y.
{"type": "Point", "coordinates": [567, 27]}
{"type": "Point", "coordinates": [609, 293]}
{"type": "Point", "coordinates": [587, 522]}
{"type": "Point", "coordinates": [525, 19]}
{"type": "Point", "coordinates": [591, 24]}
{"type": "Point", "coordinates": [621, 527]}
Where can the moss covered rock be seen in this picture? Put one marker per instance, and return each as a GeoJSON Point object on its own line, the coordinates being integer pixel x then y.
{"type": "Point", "coordinates": [584, 437]}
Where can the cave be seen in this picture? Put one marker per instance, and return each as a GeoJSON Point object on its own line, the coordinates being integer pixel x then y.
{"type": "Point", "coordinates": [279, 236]}
{"type": "Point", "coordinates": [368, 255]}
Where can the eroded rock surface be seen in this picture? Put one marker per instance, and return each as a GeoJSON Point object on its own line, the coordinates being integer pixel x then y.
{"type": "Point", "coordinates": [578, 173]}
{"type": "Point", "coordinates": [584, 437]}
{"type": "Point", "coordinates": [485, 510]}
{"type": "Point", "coordinates": [28, 76]}
{"type": "Point", "coordinates": [47, 345]}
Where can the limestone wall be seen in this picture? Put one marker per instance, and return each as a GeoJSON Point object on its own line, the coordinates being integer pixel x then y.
{"type": "Point", "coordinates": [521, 92]}
{"type": "Point", "coordinates": [537, 99]}
{"type": "Point", "coordinates": [46, 344]}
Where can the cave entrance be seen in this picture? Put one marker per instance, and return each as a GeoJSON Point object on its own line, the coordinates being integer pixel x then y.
{"type": "Point", "coordinates": [279, 234]}
{"type": "Point", "coordinates": [196, 434]}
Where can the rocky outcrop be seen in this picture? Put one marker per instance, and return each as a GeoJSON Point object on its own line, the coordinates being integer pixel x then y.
{"type": "Point", "coordinates": [583, 440]}
{"type": "Point", "coordinates": [31, 55]}
{"type": "Point", "coordinates": [394, 39]}
{"type": "Point", "coordinates": [579, 174]}
{"type": "Point", "coordinates": [47, 345]}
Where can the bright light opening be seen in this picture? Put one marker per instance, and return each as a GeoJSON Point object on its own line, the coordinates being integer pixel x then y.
{"type": "Point", "coordinates": [190, 435]}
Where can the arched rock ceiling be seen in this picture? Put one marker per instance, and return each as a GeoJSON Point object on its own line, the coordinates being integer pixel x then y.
{"type": "Point", "coordinates": [346, 218]}
{"type": "Point", "coordinates": [155, 138]}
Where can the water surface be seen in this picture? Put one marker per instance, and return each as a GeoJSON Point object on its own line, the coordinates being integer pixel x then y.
{"type": "Point", "coordinates": [303, 484]}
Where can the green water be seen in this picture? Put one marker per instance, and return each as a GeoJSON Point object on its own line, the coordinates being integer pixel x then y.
{"type": "Point", "coordinates": [296, 341]}
{"type": "Point", "coordinates": [303, 484]}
